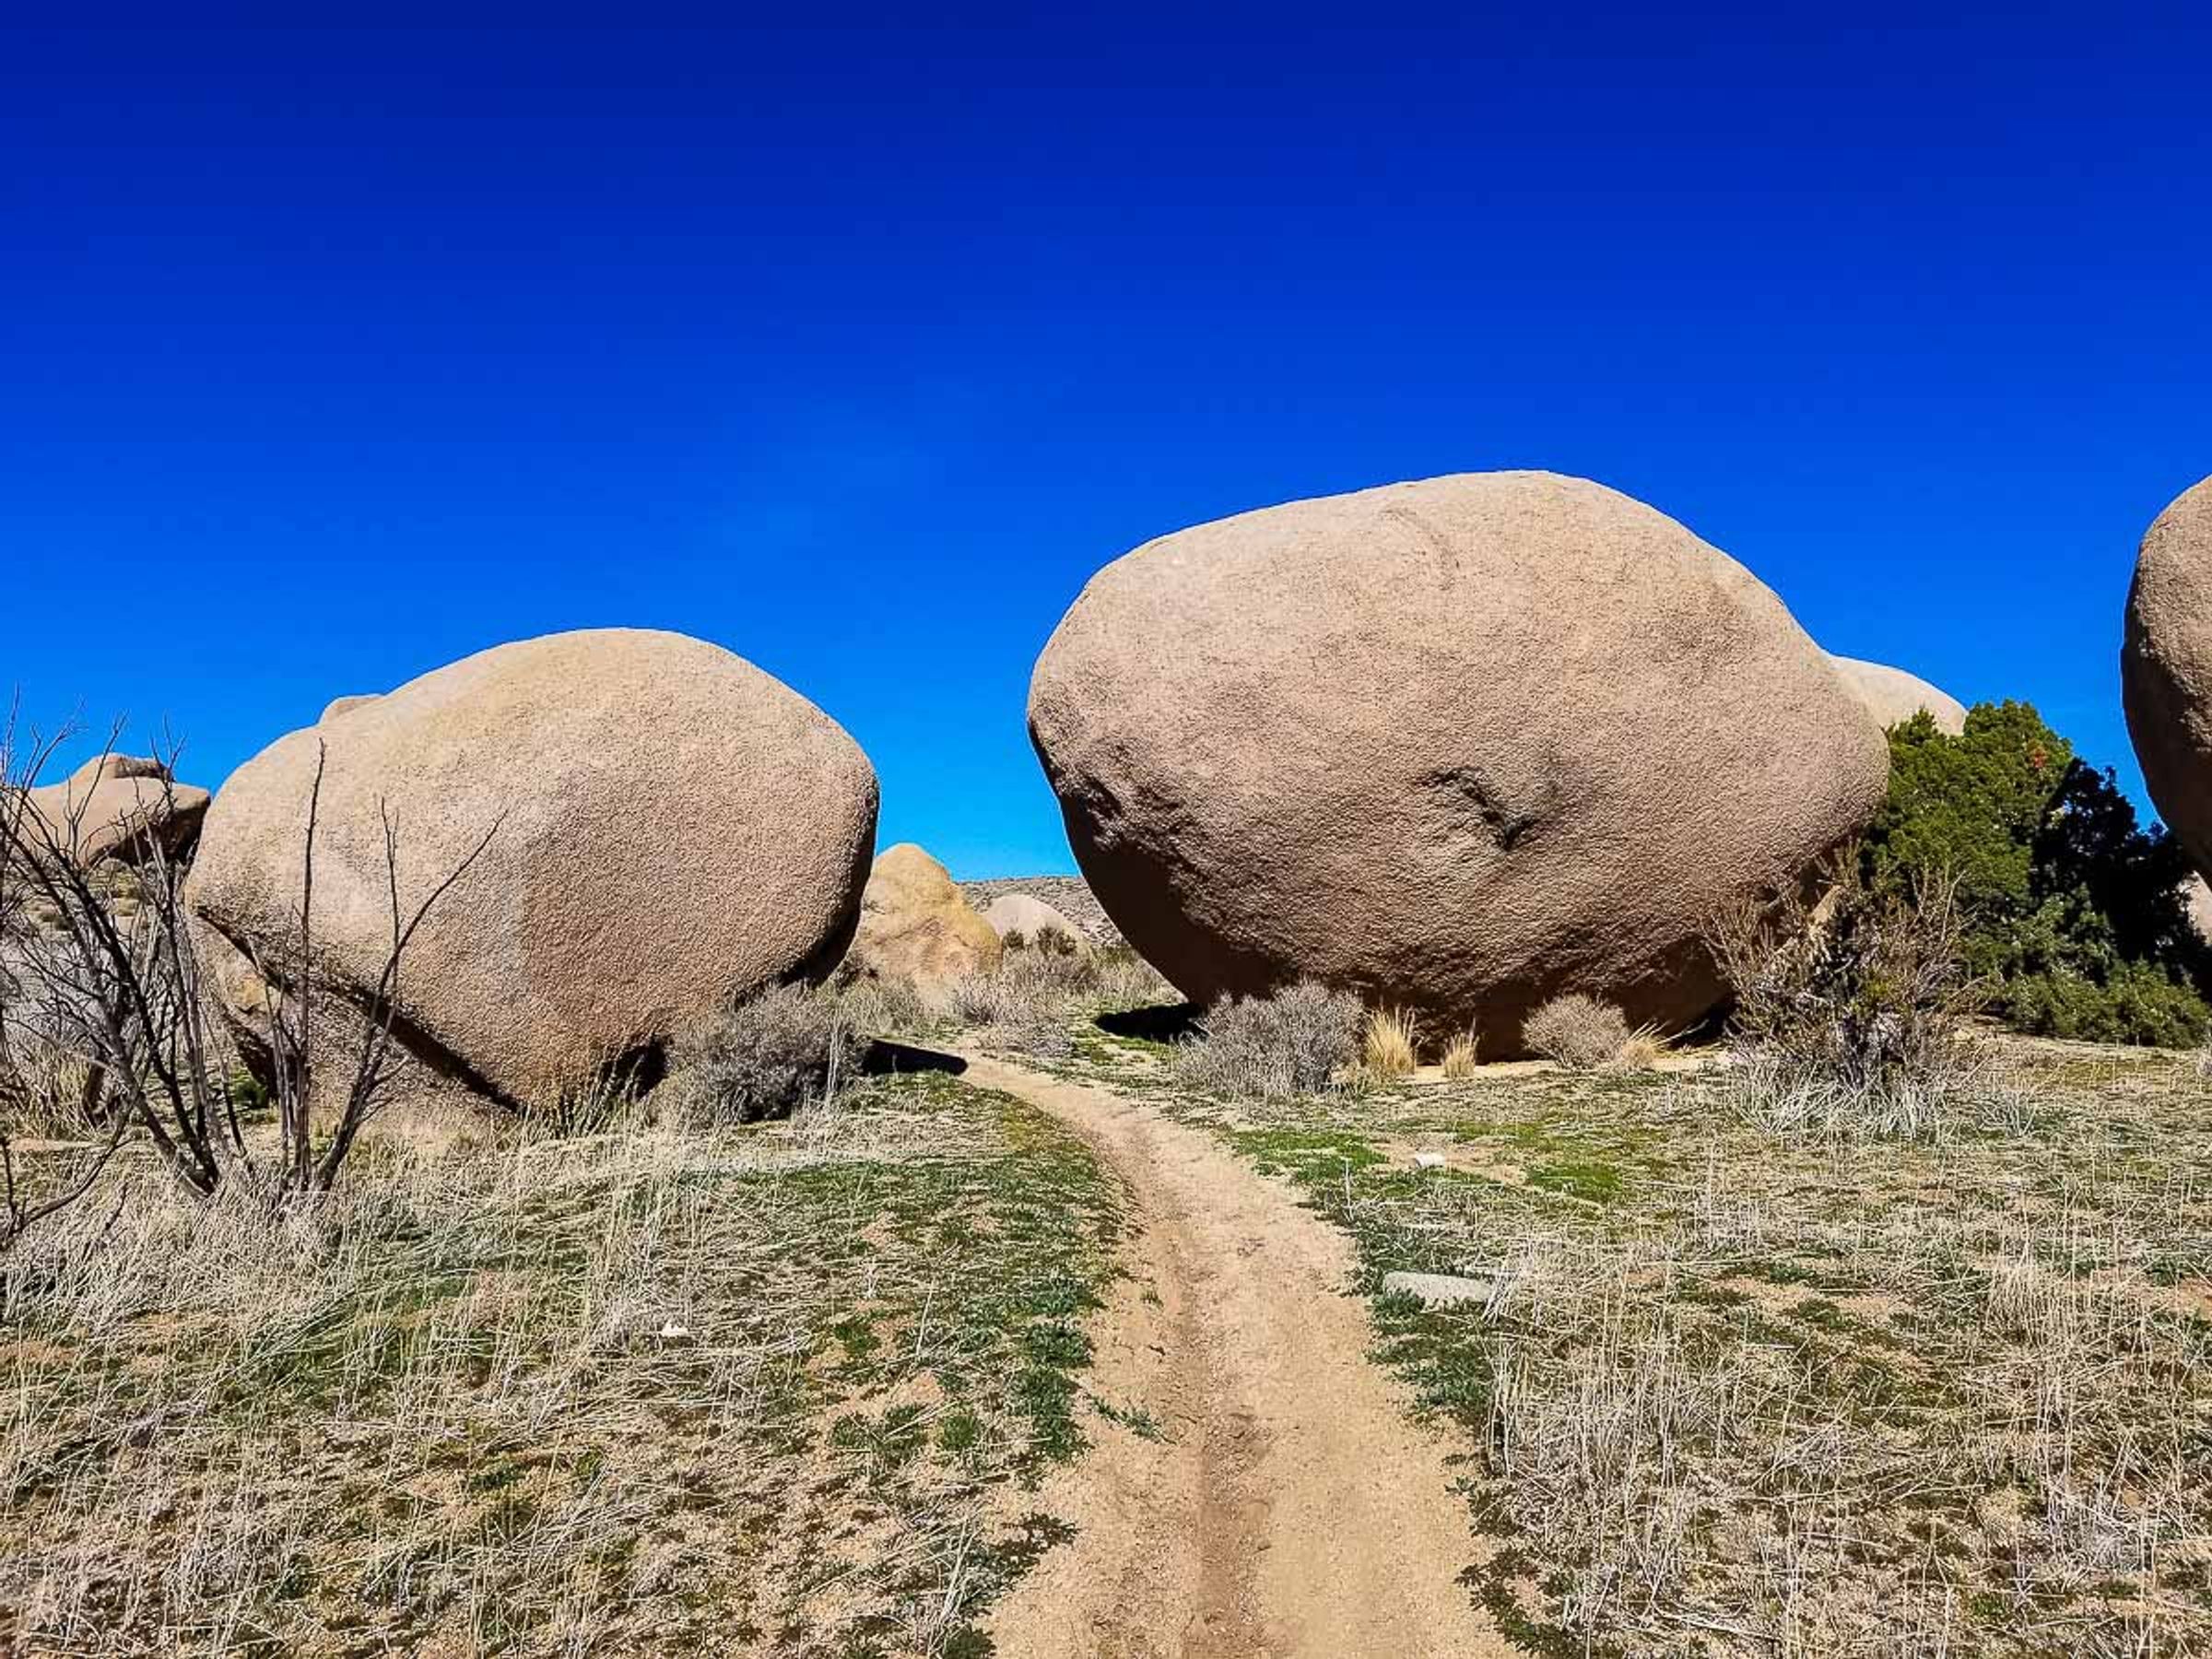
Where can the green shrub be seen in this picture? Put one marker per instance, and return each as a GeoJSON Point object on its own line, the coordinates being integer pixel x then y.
{"type": "Point", "coordinates": [2138, 1003]}
{"type": "Point", "coordinates": [2072, 914]}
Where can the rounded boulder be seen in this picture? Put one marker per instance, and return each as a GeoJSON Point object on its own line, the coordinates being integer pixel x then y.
{"type": "Point", "coordinates": [1893, 697]}
{"type": "Point", "coordinates": [123, 807]}
{"type": "Point", "coordinates": [1033, 918]}
{"type": "Point", "coordinates": [1458, 745]}
{"type": "Point", "coordinates": [651, 828]}
{"type": "Point", "coordinates": [2166, 668]}
{"type": "Point", "coordinates": [916, 925]}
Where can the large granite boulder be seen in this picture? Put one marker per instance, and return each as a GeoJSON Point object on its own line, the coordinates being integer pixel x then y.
{"type": "Point", "coordinates": [117, 807]}
{"type": "Point", "coordinates": [915, 925]}
{"type": "Point", "coordinates": [664, 829]}
{"type": "Point", "coordinates": [1459, 746]}
{"type": "Point", "coordinates": [1893, 697]}
{"type": "Point", "coordinates": [2166, 668]}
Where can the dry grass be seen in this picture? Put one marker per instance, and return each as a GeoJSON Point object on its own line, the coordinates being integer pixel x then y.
{"type": "Point", "coordinates": [44, 1091]}
{"type": "Point", "coordinates": [1578, 1032]}
{"type": "Point", "coordinates": [1033, 1001]}
{"type": "Point", "coordinates": [1390, 1044]}
{"type": "Point", "coordinates": [763, 1390]}
{"type": "Point", "coordinates": [1852, 1020]}
{"type": "Point", "coordinates": [1741, 1392]}
{"type": "Point", "coordinates": [1459, 1059]}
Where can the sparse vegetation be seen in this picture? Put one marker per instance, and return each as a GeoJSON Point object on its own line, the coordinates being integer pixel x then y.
{"type": "Point", "coordinates": [112, 993]}
{"type": "Point", "coordinates": [1031, 1001]}
{"type": "Point", "coordinates": [1849, 1019]}
{"type": "Point", "coordinates": [1580, 1033]}
{"type": "Point", "coordinates": [1460, 1058]}
{"type": "Point", "coordinates": [772, 1389]}
{"type": "Point", "coordinates": [779, 1050]}
{"type": "Point", "coordinates": [1390, 1044]}
{"type": "Point", "coordinates": [1735, 1394]}
{"type": "Point", "coordinates": [1294, 1042]}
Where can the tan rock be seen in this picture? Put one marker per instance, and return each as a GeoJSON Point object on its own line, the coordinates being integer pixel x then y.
{"type": "Point", "coordinates": [915, 925]}
{"type": "Point", "coordinates": [246, 1006]}
{"type": "Point", "coordinates": [2196, 904]}
{"type": "Point", "coordinates": [2166, 667]}
{"type": "Point", "coordinates": [1029, 916]}
{"type": "Point", "coordinates": [341, 705]}
{"type": "Point", "coordinates": [670, 828]}
{"type": "Point", "coordinates": [1893, 697]}
{"type": "Point", "coordinates": [1458, 745]}
{"type": "Point", "coordinates": [118, 806]}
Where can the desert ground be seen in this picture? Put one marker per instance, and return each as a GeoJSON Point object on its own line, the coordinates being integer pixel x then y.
{"type": "Point", "coordinates": [1021, 1343]}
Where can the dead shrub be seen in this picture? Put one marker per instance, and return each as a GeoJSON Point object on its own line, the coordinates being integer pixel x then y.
{"type": "Point", "coordinates": [787, 1047]}
{"type": "Point", "coordinates": [1580, 1033]}
{"type": "Point", "coordinates": [1851, 1019]}
{"type": "Point", "coordinates": [1390, 1046]}
{"type": "Point", "coordinates": [1271, 1047]}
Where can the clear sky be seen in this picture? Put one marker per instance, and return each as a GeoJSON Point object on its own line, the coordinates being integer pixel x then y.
{"type": "Point", "coordinates": [331, 356]}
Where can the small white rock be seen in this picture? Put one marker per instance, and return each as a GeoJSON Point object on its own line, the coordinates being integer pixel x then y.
{"type": "Point", "coordinates": [673, 1331]}
{"type": "Point", "coordinates": [1438, 1290]}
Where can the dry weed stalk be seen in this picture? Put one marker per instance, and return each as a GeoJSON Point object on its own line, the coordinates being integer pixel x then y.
{"type": "Point", "coordinates": [1390, 1043]}
{"type": "Point", "coordinates": [119, 990]}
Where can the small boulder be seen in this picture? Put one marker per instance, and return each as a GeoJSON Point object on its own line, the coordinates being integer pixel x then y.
{"type": "Point", "coordinates": [915, 925]}
{"type": "Point", "coordinates": [2166, 668]}
{"type": "Point", "coordinates": [1031, 918]}
{"type": "Point", "coordinates": [342, 705]}
{"type": "Point", "coordinates": [1893, 697]}
{"type": "Point", "coordinates": [120, 807]}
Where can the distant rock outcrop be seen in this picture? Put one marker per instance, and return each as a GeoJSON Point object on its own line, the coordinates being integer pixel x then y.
{"type": "Point", "coordinates": [2166, 668]}
{"type": "Point", "coordinates": [1458, 745]}
{"type": "Point", "coordinates": [669, 828]}
{"type": "Point", "coordinates": [1893, 697]}
{"type": "Point", "coordinates": [120, 807]}
{"type": "Point", "coordinates": [915, 925]}
{"type": "Point", "coordinates": [1066, 894]}
{"type": "Point", "coordinates": [1031, 918]}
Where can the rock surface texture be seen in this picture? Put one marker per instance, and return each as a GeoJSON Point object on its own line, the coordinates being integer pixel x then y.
{"type": "Point", "coordinates": [118, 806]}
{"type": "Point", "coordinates": [1893, 697]}
{"type": "Point", "coordinates": [1459, 746]}
{"type": "Point", "coordinates": [668, 829]}
{"type": "Point", "coordinates": [915, 925]}
{"type": "Point", "coordinates": [2166, 668]}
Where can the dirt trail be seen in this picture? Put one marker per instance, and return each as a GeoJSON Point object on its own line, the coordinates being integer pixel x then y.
{"type": "Point", "coordinates": [1286, 1505]}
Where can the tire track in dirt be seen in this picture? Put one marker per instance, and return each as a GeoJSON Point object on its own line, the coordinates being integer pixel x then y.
{"type": "Point", "coordinates": [1285, 1504]}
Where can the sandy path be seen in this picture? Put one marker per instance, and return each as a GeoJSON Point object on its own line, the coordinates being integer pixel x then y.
{"type": "Point", "coordinates": [1288, 1507]}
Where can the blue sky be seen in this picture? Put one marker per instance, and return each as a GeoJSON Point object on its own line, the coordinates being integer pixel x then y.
{"type": "Point", "coordinates": [331, 356]}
